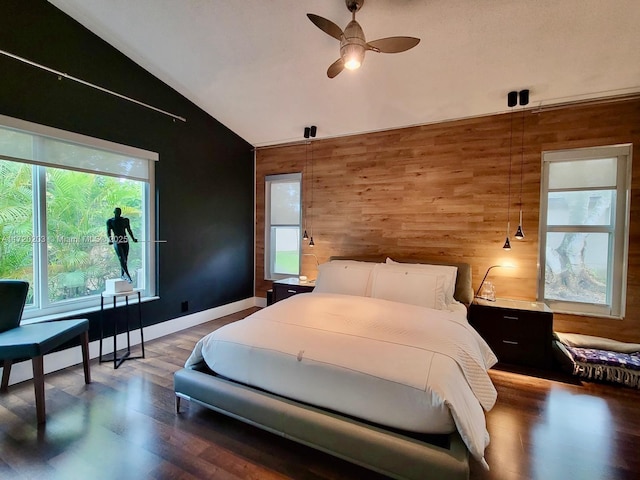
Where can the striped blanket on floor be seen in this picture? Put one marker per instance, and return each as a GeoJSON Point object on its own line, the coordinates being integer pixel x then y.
{"type": "Point", "coordinates": [596, 358]}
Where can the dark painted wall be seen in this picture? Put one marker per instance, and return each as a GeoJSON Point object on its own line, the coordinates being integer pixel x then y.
{"type": "Point", "coordinates": [204, 179]}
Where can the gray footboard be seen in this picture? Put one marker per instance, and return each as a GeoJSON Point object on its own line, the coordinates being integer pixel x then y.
{"type": "Point", "coordinates": [386, 452]}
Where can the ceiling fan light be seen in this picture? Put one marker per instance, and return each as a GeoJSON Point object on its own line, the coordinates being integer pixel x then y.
{"type": "Point", "coordinates": [353, 56]}
{"type": "Point", "coordinates": [352, 64]}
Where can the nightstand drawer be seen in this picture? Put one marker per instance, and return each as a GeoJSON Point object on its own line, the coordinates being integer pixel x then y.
{"type": "Point", "coordinates": [284, 292]}
{"type": "Point", "coordinates": [513, 324]}
{"type": "Point", "coordinates": [288, 287]}
{"type": "Point", "coordinates": [519, 349]}
{"type": "Point", "coordinates": [518, 316]}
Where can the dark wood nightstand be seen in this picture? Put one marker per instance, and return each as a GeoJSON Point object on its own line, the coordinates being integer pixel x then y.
{"type": "Point", "coordinates": [519, 332]}
{"type": "Point", "coordinates": [290, 286]}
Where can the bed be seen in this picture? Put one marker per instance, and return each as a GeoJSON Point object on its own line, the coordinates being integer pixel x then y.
{"type": "Point", "coordinates": [365, 368]}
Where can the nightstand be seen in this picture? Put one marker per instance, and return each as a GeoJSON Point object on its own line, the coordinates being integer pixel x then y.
{"type": "Point", "coordinates": [519, 332]}
{"type": "Point", "coordinates": [288, 287]}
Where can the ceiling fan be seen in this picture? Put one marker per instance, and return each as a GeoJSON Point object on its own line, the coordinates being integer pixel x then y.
{"type": "Point", "coordinates": [352, 41]}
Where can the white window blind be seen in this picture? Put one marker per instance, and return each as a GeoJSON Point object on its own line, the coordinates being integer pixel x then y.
{"type": "Point", "coordinates": [41, 145]}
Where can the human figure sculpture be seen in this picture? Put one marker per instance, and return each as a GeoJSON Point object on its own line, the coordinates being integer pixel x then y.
{"type": "Point", "coordinates": [119, 225]}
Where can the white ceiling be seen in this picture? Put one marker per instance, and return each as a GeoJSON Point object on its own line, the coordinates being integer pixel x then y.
{"type": "Point", "coordinates": [259, 66]}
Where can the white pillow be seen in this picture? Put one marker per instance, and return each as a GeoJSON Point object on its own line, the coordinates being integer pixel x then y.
{"type": "Point", "coordinates": [450, 272]}
{"type": "Point", "coordinates": [345, 277]}
{"type": "Point", "coordinates": [361, 264]}
{"type": "Point", "coordinates": [409, 285]}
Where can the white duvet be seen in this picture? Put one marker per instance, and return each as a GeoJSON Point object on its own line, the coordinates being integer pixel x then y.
{"type": "Point", "coordinates": [398, 365]}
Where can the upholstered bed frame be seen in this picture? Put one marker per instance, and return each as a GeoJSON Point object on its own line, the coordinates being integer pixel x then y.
{"type": "Point", "coordinates": [389, 452]}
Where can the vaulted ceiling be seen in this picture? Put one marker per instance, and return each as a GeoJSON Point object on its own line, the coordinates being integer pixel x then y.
{"type": "Point", "coordinates": [259, 66]}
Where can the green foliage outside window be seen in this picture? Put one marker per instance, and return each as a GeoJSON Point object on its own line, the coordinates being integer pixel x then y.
{"type": "Point", "coordinates": [78, 256]}
{"type": "Point", "coordinates": [16, 223]}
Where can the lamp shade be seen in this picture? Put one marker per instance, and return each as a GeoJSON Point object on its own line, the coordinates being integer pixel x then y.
{"type": "Point", "coordinates": [519, 233]}
{"type": "Point", "coordinates": [353, 45]}
{"type": "Point", "coordinates": [353, 56]}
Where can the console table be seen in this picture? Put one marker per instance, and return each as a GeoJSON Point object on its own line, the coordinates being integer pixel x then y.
{"type": "Point", "coordinates": [117, 361]}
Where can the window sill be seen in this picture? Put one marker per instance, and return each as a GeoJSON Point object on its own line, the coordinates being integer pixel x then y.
{"type": "Point", "coordinates": [82, 311]}
{"type": "Point", "coordinates": [584, 314]}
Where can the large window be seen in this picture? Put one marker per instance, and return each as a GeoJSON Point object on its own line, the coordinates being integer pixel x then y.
{"type": "Point", "coordinates": [584, 218]}
{"type": "Point", "coordinates": [57, 190]}
{"type": "Point", "coordinates": [282, 225]}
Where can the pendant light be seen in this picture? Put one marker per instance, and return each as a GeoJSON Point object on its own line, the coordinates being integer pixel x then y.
{"type": "Point", "coordinates": [307, 132]}
{"type": "Point", "coordinates": [523, 96]}
{"type": "Point", "coordinates": [310, 132]}
{"type": "Point", "coordinates": [512, 100]}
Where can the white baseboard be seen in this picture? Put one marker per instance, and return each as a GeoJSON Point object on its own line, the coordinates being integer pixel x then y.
{"type": "Point", "coordinates": [73, 356]}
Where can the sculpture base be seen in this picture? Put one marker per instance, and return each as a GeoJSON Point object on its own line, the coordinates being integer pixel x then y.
{"type": "Point", "coordinates": [116, 285]}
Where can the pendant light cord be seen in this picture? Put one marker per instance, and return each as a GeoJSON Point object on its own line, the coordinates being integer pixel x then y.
{"type": "Point", "coordinates": [509, 198]}
{"type": "Point", "coordinates": [521, 160]}
{"type": "Point", "coordinates": [305, 184]}
{"type": "Point", "coordinates": [311, 204]}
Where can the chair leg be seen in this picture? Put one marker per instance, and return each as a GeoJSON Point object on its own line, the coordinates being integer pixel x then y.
{"type": "Point", "coordinates": [38, 385]}
{"type": "Point", "coordinates": [84, 340]}
{"type": "Point", "coordinates": [6, 371]}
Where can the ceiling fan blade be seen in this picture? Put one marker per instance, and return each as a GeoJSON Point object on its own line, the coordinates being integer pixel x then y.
{"type": "Point", "coordinates": [335, 68]}
{"type": "Point", "coordinates": [327, 26]}
{"type": "Point", "coordinates": [393, 44]}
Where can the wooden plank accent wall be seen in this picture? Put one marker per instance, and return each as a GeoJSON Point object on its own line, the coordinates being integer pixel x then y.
{"type": "Point", "coordinates": [441, 191]}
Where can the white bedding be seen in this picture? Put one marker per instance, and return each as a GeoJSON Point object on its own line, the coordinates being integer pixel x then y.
{"type": "Point", "coordinates": [398, 365]}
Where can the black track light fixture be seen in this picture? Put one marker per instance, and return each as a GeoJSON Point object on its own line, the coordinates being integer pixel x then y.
{"type": "Point", "coordinates": [310, 131]}
{"type": "Point", "coordinates": [523, 96]}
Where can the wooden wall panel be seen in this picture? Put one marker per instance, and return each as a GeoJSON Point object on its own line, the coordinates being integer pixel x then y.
{"type": "Point", "coordinates": [441, 191]}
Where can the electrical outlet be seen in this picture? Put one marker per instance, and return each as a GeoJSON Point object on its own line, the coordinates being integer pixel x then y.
{"type": "Point", "coordinates": [184, 306]}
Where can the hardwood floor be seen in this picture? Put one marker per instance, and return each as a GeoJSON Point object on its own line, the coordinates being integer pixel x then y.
{"type": "Point", "coordinates": [123, 425]}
